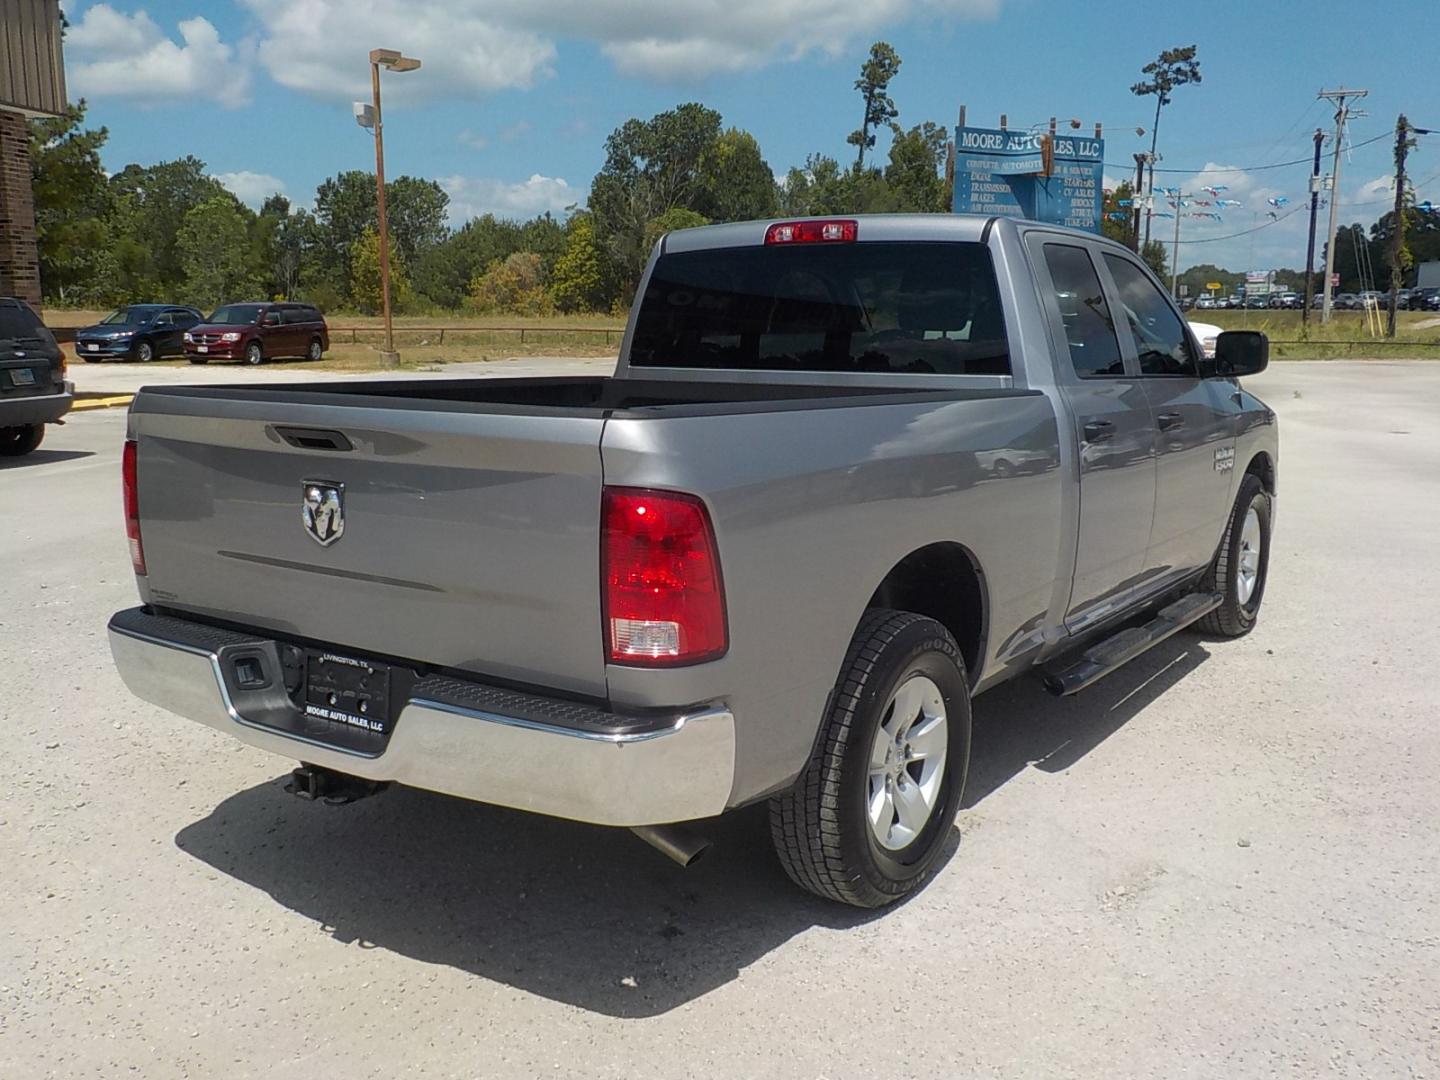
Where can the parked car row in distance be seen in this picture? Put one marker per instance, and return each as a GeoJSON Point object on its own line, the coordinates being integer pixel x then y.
{"type": "Point", "coordinates": [251, 333]}
{"type": "Point", "coordinates": [1424, 299]}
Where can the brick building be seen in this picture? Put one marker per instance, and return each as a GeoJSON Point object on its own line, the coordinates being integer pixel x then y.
{"type": "Point", "coordinates": [32, 83]}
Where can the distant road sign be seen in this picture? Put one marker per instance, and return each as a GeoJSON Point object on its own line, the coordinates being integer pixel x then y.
{"type": "Point", "coordinates": [1213, 285]}
{"type": "Point", "coordinates": [1001, 172]}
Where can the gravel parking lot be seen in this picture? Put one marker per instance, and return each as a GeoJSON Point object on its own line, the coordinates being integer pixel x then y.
{"type": "Point", "coordinates": [1221, 861]}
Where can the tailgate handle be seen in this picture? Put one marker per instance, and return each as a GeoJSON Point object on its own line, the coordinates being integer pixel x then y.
{"type": "Point", "coordinates": [314, 438]}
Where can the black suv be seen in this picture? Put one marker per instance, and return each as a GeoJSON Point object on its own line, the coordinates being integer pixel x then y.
{"type": "Point", "coordinates": [33, 390]}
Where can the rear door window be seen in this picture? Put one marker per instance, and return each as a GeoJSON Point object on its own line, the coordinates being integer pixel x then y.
{"type": "Point", "coordinates": [911, 308]}
{"type": "Point", "coordinates": [1089, 329]}
{"type": "Point", "coordinates": [18, 322]}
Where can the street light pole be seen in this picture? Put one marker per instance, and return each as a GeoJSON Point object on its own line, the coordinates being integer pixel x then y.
{"type": "Point", "coordinates": [392, 60]}
{"type": "Point", "coordinates": [389, 357]}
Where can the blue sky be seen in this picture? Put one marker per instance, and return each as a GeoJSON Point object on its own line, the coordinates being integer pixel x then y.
{"type": "Point", "coordinates": [514, 101]}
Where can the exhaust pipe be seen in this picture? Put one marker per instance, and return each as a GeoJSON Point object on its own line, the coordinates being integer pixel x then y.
{"type": "Point", "coordinates": [683, 845]}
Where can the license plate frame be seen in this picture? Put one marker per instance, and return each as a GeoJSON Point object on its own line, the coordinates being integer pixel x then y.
{"type": "Point", "coordinates": [347, 691]}
{"type": "Point", "coordinates": [202, 348]}
{"type": "Point", "coordinates": [22, 376]}
{"type": "Point", "coordinates": [92, 347]}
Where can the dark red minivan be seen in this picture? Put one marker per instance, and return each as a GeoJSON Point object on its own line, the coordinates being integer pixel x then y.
{"type": "Point", "coordinates": [255, 333]}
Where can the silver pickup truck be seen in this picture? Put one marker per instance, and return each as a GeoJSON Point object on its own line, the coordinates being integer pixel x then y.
{"type": "Point", "coordinates": [848, 474]}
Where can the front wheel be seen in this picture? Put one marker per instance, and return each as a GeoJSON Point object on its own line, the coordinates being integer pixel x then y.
{"type": "Point", "coordinates": [1242, 563]}
{"type": "Point", "coordinates": [145, 352]}
{"type": "Point", "coordinates": [253, 354]}
{"type": "Point", "coordinates": [18, 441]}
{"type": "Point", "coordinates": [872, 812]}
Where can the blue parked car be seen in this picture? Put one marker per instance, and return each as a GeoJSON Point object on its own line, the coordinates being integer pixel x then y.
{"type": "Point", "coordinates": [137, 332]}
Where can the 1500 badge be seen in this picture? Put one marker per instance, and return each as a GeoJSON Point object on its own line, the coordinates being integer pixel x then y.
{"type": "Point", "coordinates": [1225, 459]}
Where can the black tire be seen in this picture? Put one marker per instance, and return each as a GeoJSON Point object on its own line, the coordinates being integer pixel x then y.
{"type": "Point", "coordinates": [316, 351]}
{"type": "Point", "coordinates": [1233, 618]}
{"type": "Point", "coordinates": [819, 827]}
{"type": "Point", "coordinates": [18, 441]}
{"type": "Point", "coordinates": [144, 351]}
{"type": "Point", "coordinates": [254, 355]}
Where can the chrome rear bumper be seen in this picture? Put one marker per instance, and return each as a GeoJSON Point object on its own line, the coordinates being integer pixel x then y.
{"type": "Point", "coordinates": [675, 767]}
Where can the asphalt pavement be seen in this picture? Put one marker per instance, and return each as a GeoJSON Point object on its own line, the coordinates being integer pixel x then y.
{"type": "Point", "coordinates": [1221, 861]}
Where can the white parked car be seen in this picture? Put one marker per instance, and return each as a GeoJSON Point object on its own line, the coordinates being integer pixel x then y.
{"type": "Point", "coordinates": [1206, 333]}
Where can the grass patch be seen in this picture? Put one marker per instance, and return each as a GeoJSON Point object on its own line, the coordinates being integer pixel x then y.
{"type": "Point", "coordinates": [1346, 337]}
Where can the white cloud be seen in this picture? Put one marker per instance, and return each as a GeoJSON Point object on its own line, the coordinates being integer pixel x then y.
{"type": "Point", "coordinates": [478, 46]}
{"type": "Point", "coordinates": [321, 47]}
{"type": "Point", "coordinates": [471, 197]}
{"type": "Point", "coordinates": [473, 140]}
{"type": "Point", "coordinates": [251, 188]}
{"type": "Point", "coordinates": [115, 55]}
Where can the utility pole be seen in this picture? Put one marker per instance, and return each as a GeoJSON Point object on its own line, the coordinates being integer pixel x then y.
{"type": "Point", "coordinates": [1343, 113]}
{"type": "Point", "coordinates": [1179, 205]}
{"type": "Point", "coordinates": [1403, 144]}
{"type": "Point", "coordinates": [1138, 203]}
{"type": "Point", "coordinates": [1309, 296]}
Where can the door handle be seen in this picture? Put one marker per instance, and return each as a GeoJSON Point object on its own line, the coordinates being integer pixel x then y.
{"type": "Point", "coordinates": [1098, 431]}
{"type": "Point", "coordinates": [1168, 420]}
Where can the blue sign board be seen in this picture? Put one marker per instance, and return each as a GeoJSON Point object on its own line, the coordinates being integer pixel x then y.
{"type": "Point", "coordinates": [1002, 172]}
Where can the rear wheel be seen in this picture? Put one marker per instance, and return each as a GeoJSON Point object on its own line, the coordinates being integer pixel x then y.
{"type": "Point", "coordinates": [1242, 563]}
{"type": "Point", "coordinates": [17, 441]}
{"type": "Point", "coordinates": [253, 354]}
{"type": "Point", "coordinates": [316, 350]}
{"type": "Point", "coordinates": [873, 809]}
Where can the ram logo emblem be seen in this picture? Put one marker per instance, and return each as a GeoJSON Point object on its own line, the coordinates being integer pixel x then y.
{"type": "Point", "coordinates": [322, 511]}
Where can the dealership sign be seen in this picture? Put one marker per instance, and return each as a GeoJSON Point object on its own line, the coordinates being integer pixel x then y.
{"type": "Point", "coordinates": [1052, 178]}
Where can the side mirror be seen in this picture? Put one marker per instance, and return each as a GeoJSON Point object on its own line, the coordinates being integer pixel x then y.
{"type": "Point", "coordinates": [1241, 352]}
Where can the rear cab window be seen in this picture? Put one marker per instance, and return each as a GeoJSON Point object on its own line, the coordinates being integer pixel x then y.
{"type": "Point", "coordinates": [901, 307]}
{"type": "Point", "coordinates": [19, 323]}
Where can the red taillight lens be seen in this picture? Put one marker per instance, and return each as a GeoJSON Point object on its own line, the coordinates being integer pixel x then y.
{"type": "Point", "coordinates": [132, 507]}
{"type": "Point", "coordinates": [812, 232]}
{"type": "Point", "coordinates": [664, 601]}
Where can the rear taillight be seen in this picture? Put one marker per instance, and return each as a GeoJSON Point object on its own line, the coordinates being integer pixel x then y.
{"type": "Point", "coordinates": [132, 507]}
{"type": "Point", "coordinates": [812, 232]}
{"type": "Point", "coordinates": [663, 598]}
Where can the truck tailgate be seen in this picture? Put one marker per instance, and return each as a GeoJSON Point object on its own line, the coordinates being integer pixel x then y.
{"type": "Point", "coordinates": [470, 539]}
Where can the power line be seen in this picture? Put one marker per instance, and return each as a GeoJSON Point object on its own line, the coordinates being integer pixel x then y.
{"type": "Point", "coordinates": [1256, 168]}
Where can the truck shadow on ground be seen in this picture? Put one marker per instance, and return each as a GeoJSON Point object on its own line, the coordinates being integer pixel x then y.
{"type": "Point", "coordinates": [1019, 726]}
{"type": "Point", "coordinates": [43, 457]}
{"type": "Point", "coordinates": [588, 916]}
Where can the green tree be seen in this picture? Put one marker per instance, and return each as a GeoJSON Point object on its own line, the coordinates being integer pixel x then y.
{"type": "Point", "coordinates": [213, 247]}
{"type": "Point", "coordinates": [736, 182]}
{"type": "Point", "coordinates": [365, 275]}
{"type": "Point", "coordinates": [345, 207]}
{"type": "Point", "coordinates": [651, 166]}
{"type": "Point", "coordinates": [876, 73]}
{"type": "Point", "coordinates": [579, 279]}
{"type": "Point", "coordinates": [1116, 202]}
{"type": "Point", "coordinates": [677, 218]}
{"type": "Point", "coordinates": [915, 175]}
{"type": "Point", "coordinates": [822, 187]}
{"type": "Point", "coordinates": [152, 202]}
{"type": "Point", "coordinates": [1173, 68]}
{"type": "Point", "coordinates": [72, 203]}
{"type": "Point", "coordinates": [512, 286]}
{"type": "Point", "coordinates": [444, 272]}
{"type": "Point", "coordinates": [1157, 257]}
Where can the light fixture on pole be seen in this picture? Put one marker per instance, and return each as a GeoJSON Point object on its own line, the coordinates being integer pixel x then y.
{"type": "Point", "coordinates": [369, 116]}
